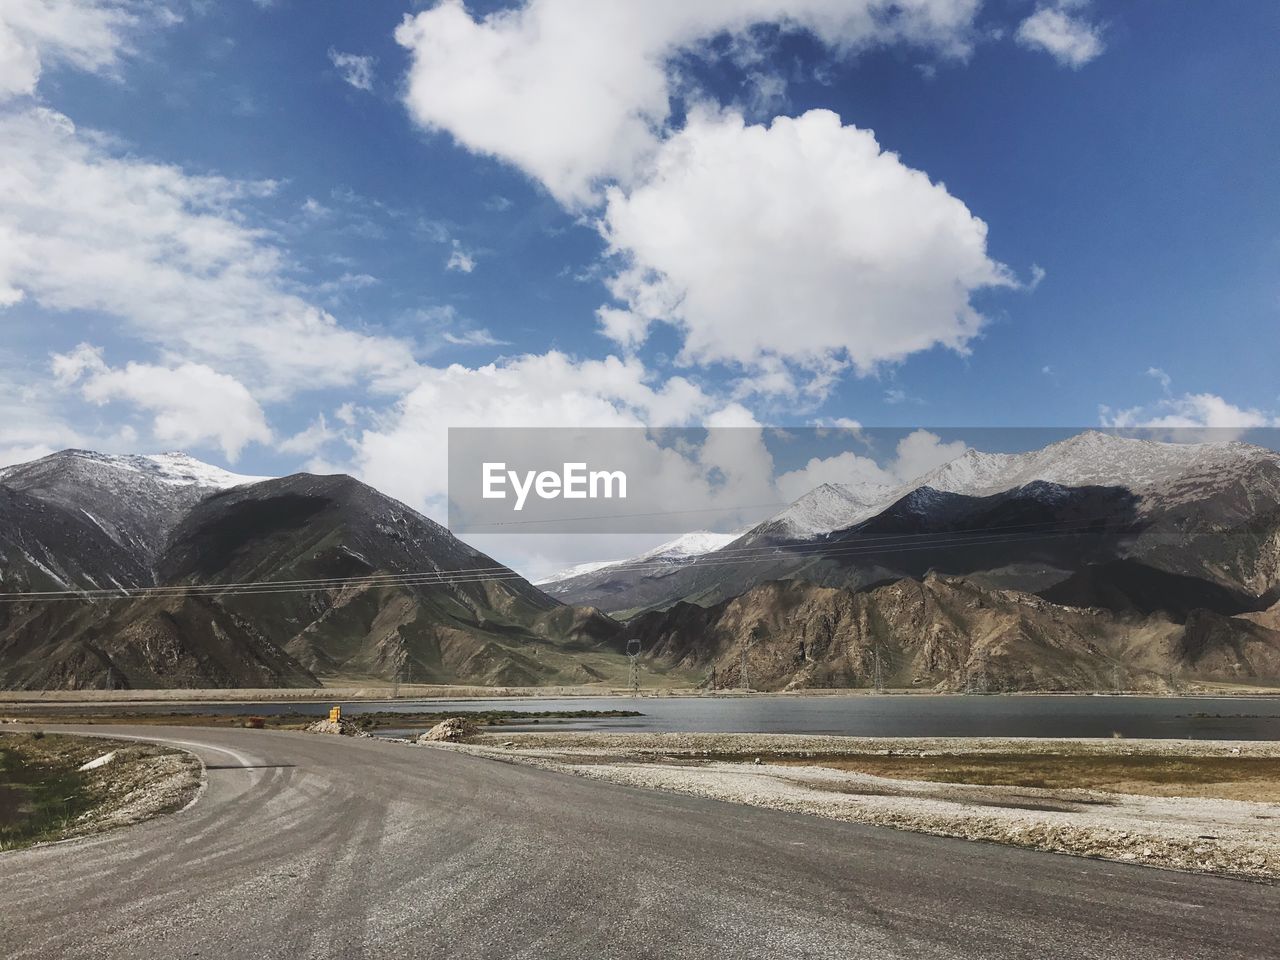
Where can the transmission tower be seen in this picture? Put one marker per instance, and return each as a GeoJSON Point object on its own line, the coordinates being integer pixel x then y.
{"type": "Point", "coordinates": [878, 674]}
{"type": "Point", "coordinates": [633, 666]}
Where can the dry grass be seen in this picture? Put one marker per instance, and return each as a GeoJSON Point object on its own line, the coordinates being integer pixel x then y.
{"type": "Point", "coordinates": [1254, 779]}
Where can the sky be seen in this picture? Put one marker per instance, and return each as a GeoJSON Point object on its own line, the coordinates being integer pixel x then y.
{"type": "Point", "coordinates": [315, 234]}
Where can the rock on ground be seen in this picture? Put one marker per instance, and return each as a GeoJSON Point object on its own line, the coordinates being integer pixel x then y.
{"type": "Point", "coordinates": [452, 730]}
{"type": "Point", "coordinates": [342, 728]}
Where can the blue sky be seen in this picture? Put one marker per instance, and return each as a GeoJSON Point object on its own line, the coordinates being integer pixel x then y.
{"type": "Point", "coordinates": [287, 235]}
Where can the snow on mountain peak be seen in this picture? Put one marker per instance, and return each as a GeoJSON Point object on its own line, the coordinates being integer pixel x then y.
{"type": "Point", "coordinates": [173, 468]}
{"type": "Point", "coordinates": [831, 506]}
{"type": "Point", "coordinates": [693, 544]}
{"type": "Point", "coordinates": [682, 548]}
{"type": "Point", "coordinates": [180, 468]}
{"type": "Point", "coordinates": [1092, 458]}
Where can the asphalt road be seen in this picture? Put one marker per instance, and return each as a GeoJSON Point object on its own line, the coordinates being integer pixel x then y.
{"type": "Point", "coordinates": [308, 846]}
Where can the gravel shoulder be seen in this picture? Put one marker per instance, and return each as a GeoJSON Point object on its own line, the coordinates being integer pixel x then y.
{"type": "Point", "coordinates": [1203, 831]}
{"type": "Point", "coordinates": [59, 787]}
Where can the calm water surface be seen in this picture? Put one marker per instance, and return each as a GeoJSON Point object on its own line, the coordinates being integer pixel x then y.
{"type": "Point", "coordinates": [1201, 718]}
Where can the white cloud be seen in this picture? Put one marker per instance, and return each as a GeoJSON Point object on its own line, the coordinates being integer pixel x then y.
{"type": "Point", "coordinates": [474, 338]}
{"type": "Point", "coordinates": [191, 404]}
{"type": "Point", "coordinates": [402, 453]}
{"type": "Point", "coordinates": [1070, 39]}
{"type": "Point", "coordinates": [920, 451]}
{"type": "Point", "coordinates": [1161, 377]}
{"type": "Point", "coordinates": [915, 455]}
{"type": "Point", "coordinates": [310, 441]}
{"type": "Point", "coordinates": [348, 282]}
{"type": "Point", "coordinates": [1191, 410]}
{"type": "Point", "coordinates": [314, 209]}
{"type": "Point", "coordinates": [355, 70]}
{"type": "Point", "coordinates": [801, 241]}
{"type": "Point", "coordinates": [460, 260]}
{"type": "Point", "coordinates": [170, 254]}
{"type": "Point", "coordinates": [574, 92]}
{"type": "Point", "coordinates": [30, 426]}
{"type": "Point", "coordinates": [846, 468]}
{"type": "Point", "coordinates": [88, 35]}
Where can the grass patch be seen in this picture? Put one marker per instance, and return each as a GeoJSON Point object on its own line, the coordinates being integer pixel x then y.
{"type": "Point", "coordinates": [42, 793]}
{"type": "Point", "coordinates": [1229, 778]}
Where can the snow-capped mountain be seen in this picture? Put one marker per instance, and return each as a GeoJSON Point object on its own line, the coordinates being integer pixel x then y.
{"type": "Point", "coordinates": [826, 508]}
{"type": "Point", "coordinates": [1154, 470]}
{"type": "Point", "coordinates": [174, 467]}
{"type": "Point", "coordinates": [135, 500]}
{"type": "Point", "coordinates": [377, 589]}
{"type": "Point", "coordinates": [1149, 468]}
{"type": "Point", "coordinates": [593, 583]}
{"type": "Point", "coordinates": [1182, 502]}
{"type": "Point", "coordinates": [684, 547]}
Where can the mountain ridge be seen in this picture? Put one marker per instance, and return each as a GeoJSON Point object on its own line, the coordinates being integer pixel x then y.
{"type": "Point", "coordinates": [269, 582]}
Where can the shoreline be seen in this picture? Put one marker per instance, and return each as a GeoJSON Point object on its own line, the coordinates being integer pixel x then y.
{"type": "Point", "coordinates": [369, 693]}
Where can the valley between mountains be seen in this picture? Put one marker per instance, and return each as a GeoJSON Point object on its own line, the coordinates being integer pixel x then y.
{"type": "Point", "coordinates": [1096, 563]}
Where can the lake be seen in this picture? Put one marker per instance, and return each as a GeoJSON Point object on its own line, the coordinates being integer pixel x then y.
{"type": "Point", "coordinates": [1199, 718]}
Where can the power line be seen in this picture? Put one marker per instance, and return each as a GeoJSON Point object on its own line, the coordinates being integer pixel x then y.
{"type": "Point", "coordinates": [476, 575]}
{"type": "Point", "coordinates": [726, 552]}
{"type": "Point", "coordinates": [867, 546]}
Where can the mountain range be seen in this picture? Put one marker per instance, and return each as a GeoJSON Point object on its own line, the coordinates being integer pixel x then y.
{"type": "Point", "coordinates": [209, 579]}
{"type": "Point", "coordinates": [1095, 562]}
{"type": "Point", "coordinates": [1032, 521]}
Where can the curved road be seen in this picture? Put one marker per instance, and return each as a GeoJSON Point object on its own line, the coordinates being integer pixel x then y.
{"type": "Point", "coordinates": [308, 846]}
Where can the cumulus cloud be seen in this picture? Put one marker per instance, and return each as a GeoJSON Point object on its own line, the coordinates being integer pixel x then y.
{"type": "Point", "coordinates": [915, 455]}
{"type": "Point", "coordinates": [170, 254]}
{"type": "Point", "coordinates": [1061, 32]}
{"type": "Point", "coordinates": [402, 453]}
{"type": "Point", "coordinates": [801, 241]}
{"type": "Point", "coordinates": [574, 92]}
{"type": "Point", "coordinates": [190, 404]}
{"type": "Point", "coordinates": [89, 35]}
{"type": "Point", "coordinates": [355, 70]}
{"type": "Point", "coordinates": [1191, 410]}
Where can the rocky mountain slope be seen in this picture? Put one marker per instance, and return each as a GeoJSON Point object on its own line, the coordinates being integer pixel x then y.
{"type": "Point", "coordinates": [948, 634]}
{"type": "Point", "coordinates": [1028, 521]}
{"type": "Point", "coordinates": [278, 582]}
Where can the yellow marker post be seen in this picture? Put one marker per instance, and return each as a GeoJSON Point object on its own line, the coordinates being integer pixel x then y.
{"type": "Point", "coordinates": [335, 714]}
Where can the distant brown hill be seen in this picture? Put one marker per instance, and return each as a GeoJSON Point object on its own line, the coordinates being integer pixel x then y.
{"type": "Point", "coordinates": [949, 634]}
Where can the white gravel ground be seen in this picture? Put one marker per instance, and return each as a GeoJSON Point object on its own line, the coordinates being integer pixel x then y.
{"type": "Point", "coordinates": [1208, 835]}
